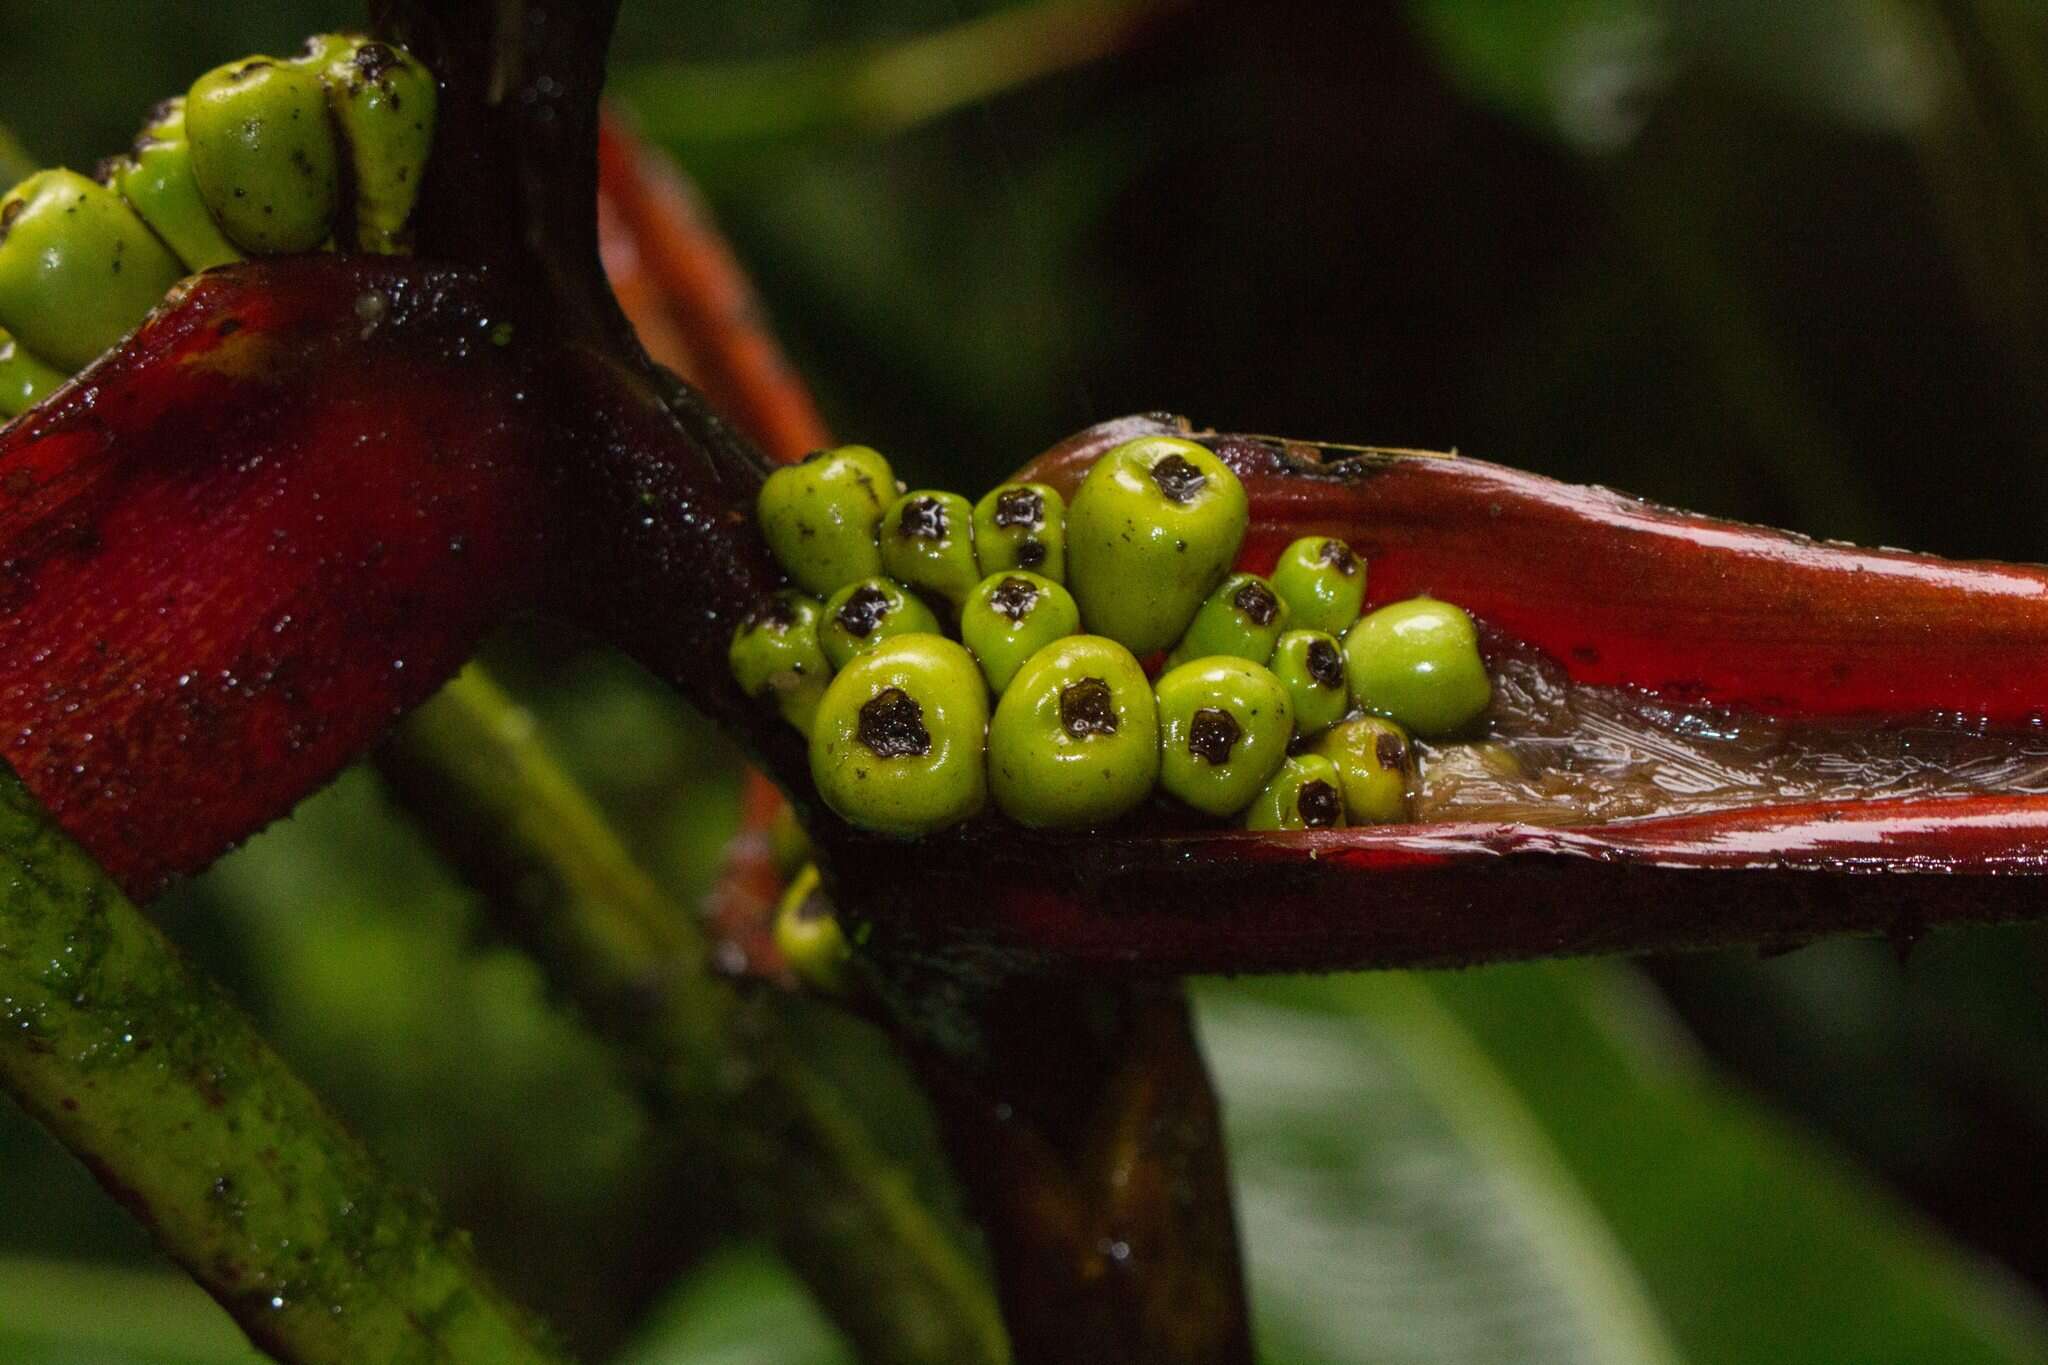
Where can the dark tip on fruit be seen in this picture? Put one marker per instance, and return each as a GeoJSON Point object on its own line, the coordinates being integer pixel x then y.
{"type": "Point", "coordinates": [1031, 554]}
{"type": "Point", "coordinates": [813, 907]}
{"type": "Point", "coordinates": [1177, 479]}
{"type": "Point", "coordinates": [1319, 804]}
{"type": "Point", "coordinates": [1023, 507]}
{"type": "Point", "coordinates": [1086, 708]}
{"type": "Point", "coordinates": [814, 457]}
{"type": "Point", "coordinates": [1257, 602]}
{"type": "Point", "coordinates": [923, 519]}
{"type": "Point", "coordinates": [374, 59]}
{"type": "Point", "coordinates": [1212, 734]}
{"type": "Point", "coordinates": [863, 610]}
{"type": "Point", "coordinates": [1325, 664]}
{"type": "Point", "coordinates": [770, 613]}
{"type": "Point", "coordinates": [1338, 556]}
{"type": "Point", "coordinates": [892, 726]}
{"type": "Point", "coordinates": [1391, 751]}
{"type": "Point", "coordinates": [1014, 598]}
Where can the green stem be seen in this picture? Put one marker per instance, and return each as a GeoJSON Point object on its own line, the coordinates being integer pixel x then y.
{"type": "Point", "coordinates": [153, 1078]}
{"type": "Point", "coordinates": [770, 1132]}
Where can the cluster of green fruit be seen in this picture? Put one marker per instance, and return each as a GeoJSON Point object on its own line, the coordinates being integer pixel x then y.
{"type": "Point", "coordinates": [252, 161]}
{"type": "Point", "coordinates": [1278, 703]}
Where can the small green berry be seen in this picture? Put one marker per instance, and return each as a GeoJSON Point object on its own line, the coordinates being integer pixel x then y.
{"type": "Point", "coordinates": [157, 181]}
{"type": "Point", "coordinates": [1310, 665]}
{"type": "Point", "coordinates": [1224, 725]}
{"type": "Point", "coordinates": [1306, 793]}
{"type": "Point", "coordinates": [927, 540]}
{"type": "Point", "coordinates": [862, 615]}
{"type": "Point", "coordinates": [1155, 525]}
{"type": "Point", "coordinates": [1022, 526]}
{"type": "Point", "coordinates": [78, 269]}
{"type": "Point", "coordinates": [265, 154]}
{"type": "Point", "coordinates": [1323, 582]}
{"type": "Point", "coordinates": [1418, 662]}
{"type": "Point", "coordinates": [24, 380]}
{"type": "Point", "coordinates": [1075, 739]}
{"type": "Point", "coordinates": [1241, 619]}
{"type": "Point", "coordinates": [808, 935]}
{"type": "Point", "coordinates": [775, 654]}
{"type": "Point", "coordinates": [898, 744]}
{"type": "Point", "coordinates": [789, 843]}
{"type": "Point", "coordinates": [820, 516]}
{"type": "Point", "coordinates": [383, 101]}
{"type": "Point", "coordinates": [1011, 616]}
{"type": "Point", "coordinates": [1374, 763]}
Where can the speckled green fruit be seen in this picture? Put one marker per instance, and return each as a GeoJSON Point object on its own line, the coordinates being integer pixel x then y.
{"type": "Point", "coordinates": [1374, 763]}
{"type": "Point", "coordinates": [1418, 662]}
{"type": "Point", "coordinates": [383, 101]}
{"type": "Point", "coordinates": [1322, 582]}
{"type": "Point", "coordinates": [820, 516]}
{"type": "Point", "coordinates": [1242, 619]}
{"type": "Point", "coordinates": [1022, 526]}
{"type": "Point", "coordinates": [265, 154]}
{"type": "Point", "coordinates": [1305, 794]}
{"type": "Point", "coordinates": [1310, 665]}
{"type": "Point", "coordinates": [808, 936]}
{"type": "Point", "coordinates": [1011, 616]}
{"type": "Point", "coordinates": [898, 744]}
{"type": "Point", "coordinates": [1152, 529]}
{"type": "Point", "coordinates": [78, 270]}
{"type": "Point", "coordinates": [157, 181]}
{"type": "Point", "coordinates": [927, 541]}
{"type": "Point", "coordinates": [24, 379]}
{"type": "Point", "coordinates": [1075, 739]}
{"type": "Point", "coordinates": [1224, 725]}
{"type": "Point", "coordinates": [862, 615]}
{"type": "Point", "coordinates": [775, 656]}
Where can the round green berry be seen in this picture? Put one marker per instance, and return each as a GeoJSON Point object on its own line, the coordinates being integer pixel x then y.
{"type": "Point", "coordinates": [1224, 725]}
{"type": "Point", "coordinates": [775, 656]}
{"type": "Point", "coordinates": [1075, 739]}
{"type": "Point", "coordinates": [927, 540]}
{"type": "Point", "coordinates": [1374, 763]}
{"type": "Point", "coordinates": [1306, 793]}
{"type": "Point", "coordinates": [1022, 526]}
{"type": "Point", "coordinates": [264, 153]}
{"type": "Point", "coordinates": [24, 379]}
{"type": "Point", "coordinates": [862, 615]}
{"type": "Point", "coordinates": [1310, 665]}
{"type": "Point", "coordinates": [1418, 662]}
{"type": "Point", "coordinates": [898, 744]}
{"type": "Point", "coordinates": [1241, 619]}
{"type": "Point", "coordinates": [820, 516]}
{"type": "Point", "coordinates": [1155, 525]}
{"type": "Point", "coordinates": [808, 936]}
{"type": "Point", "coordinates": [1322, 581]}
{"type": "Point", "coordinates": [383, 101]}
{"type": "Point", "coordinates": [78, 269]}
{"type": "Point", "coordinates": [1011, 616]}
{"type": "Point", "coordinates": [157, 181]}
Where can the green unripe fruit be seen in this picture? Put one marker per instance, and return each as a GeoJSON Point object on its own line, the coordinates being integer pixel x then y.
{"type": "Point", "coordinates": [78, 269]}
{"type": "Point", "coordinates": [927, 540]}
{"type": "Point", "coordinates": [157, 181]}
{"type": "Point", "coordinates": [264, 153]}
{"type": "Point", "coordinates": [1011, 616]}
{"type": "Point", "coordinates": [1418, 662]}
{"type": "Point", "coordinates": [24, 380]}
{"type": "Point", "coordinates": [1154, 526]}
{"type": "Point", "coordinates": [384, 102]}
{"type": "Point", "coordinates": [1022, 526]}
{"type": "Point", "coordinates": [789, 843]}
{"type": "Point", "coordinates": [1305, 794]}
{"type": "Point", "coordinates": [775, 655]}
{"type": "Point", "coordinates": [1374, 762]}
{"type": "Point", "coordinates": [808, 936]}
{"type": "Point", "coordinates": [1075, 739]}
{"type": "Point", "coordinates": [1310, 665]}
{"type": "Point", "coordinates": [1224, 725]}
{"type": "Point", "coordinates": [862, 615]}
{"type": "Point", "coordinates": [1242, 619]}
{"type": "Point", "coordinates": [820, 517]}
{"type": "Point", "coordinates": [1322, 582]}
{"type": "Point", "coordinates": [898, 744]}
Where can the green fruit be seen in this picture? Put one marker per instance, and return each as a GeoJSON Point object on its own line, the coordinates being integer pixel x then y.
{"type": "Point", "coordinates": [1075, 739]}
{"type": "Point", "coordinates": [24, 380]}
{"type": "Point", "coordinates": [1322, 581]}
{"type": "Point", "coordinates": [927, 540]}
{"type": "Point", "coordinates": [1011, 616]}
{"type": "Point", "coordinates": [789, 843]}
{"type": "Point", "coordinates": [157, 181]}
{"type": "Point", "coordinates": [1022, 526]}
{"type": "Point", "coordinates": [898, 745]}
{"type": "Point", "coordinates": [775, 655]}
{"type": "Point", "coordinates": [384, 102]}
{"type": "Point", "coordinates": [264, 153]}
{"type": "Point", "coordinates": [808, 935]}
{"type": "Point", "coordinates": [1154, 526]}
{"type": "Point", "coordinates": [1224, 725]}
{"type": "Point", "coordinates": [862, 615]}
{"type": "Point", "coordinates": [1418, 662]}
{"type": "Point", "coordinates": [1310, 665]}
{"type": "Point", "coordinates": [1374, 762]}
{"type": "Point", "coordinates": [820, 517]}
{"type": "Point", "coordinates": [78, 269]}
{"type": "Point", "coordinates": [1305, 794]}
{"type": "Point", "coordinates": [1241, 619]}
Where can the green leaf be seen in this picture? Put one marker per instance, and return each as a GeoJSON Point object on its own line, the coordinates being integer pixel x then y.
{"type": "Point", "coordinates": [740, 1308]}
{"type": "Point", "coordinates": [52, 1313]}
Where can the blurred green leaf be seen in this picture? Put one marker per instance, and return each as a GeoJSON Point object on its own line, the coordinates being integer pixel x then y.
{"type": "Point", "coordinates": [741, 1308]}
{"type": "Point", "coordinates": [55, 1313]}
